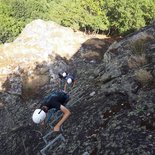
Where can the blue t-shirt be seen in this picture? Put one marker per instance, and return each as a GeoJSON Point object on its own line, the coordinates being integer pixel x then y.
{"type": "Point", "coordinates": [55, 100]}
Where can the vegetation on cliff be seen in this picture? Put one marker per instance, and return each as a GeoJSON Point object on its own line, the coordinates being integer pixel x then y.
{"type": "Point", "coordinates": [100, 16]}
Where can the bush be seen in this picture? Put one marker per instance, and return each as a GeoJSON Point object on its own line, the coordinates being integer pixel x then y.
{"type": "Point", "coordinates": [15, 14]}
{"type": "Point", "coordinates": [148, 9]}
{"type": "Point", "coordinates": [138, 47]}
{"type": "Point", "coordinates": [119, 17]}
{"type": "Point", "coordinates": [29, 9]}
{"type": "Point", "coordinates": [138, 53]}
{"type": "Point", "coordinates": [137, 61]}
{"type": "Point", "coordinates": [126, 16]}
{"type": "Point", "coordinates": [76, 15]}
{"type": "Point", "coordinates": [143, 76]}
{"type": "Point", "coordinates": [9, 28]}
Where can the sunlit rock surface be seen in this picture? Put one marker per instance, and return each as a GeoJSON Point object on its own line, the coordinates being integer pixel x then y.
{"type": "Point", "coordinates": [39, 39]}
{"type": "Point", "coordinates": [41, 42]}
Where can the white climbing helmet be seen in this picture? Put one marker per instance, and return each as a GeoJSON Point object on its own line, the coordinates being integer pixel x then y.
{"type": "Point", "coordinates": [38, 116]}
{"type": "Point", "coordinates": [64, 74]}
{"type": "Point", "coordinates": [69, 80]}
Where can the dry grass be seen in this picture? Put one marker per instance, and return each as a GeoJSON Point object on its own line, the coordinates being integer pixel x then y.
{"type": "Point", "coordinates": [138, 47]}
{"type": "Point", "coordinates": [143, 76]}
{"type": "Point", "coordinates": [90, 55]}
{"type": "Point", "coordinates": [138, 53]}
{"type": "Point", "coordinates": [137, 61]}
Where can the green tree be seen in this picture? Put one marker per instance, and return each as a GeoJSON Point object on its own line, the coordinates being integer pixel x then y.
{"type": "Point", "coordinates": [15, 14]}
{"type": "Point", "coordinates": [78, 15]}
{"type": "Point", "coordinates": [9, 28]}
{"type": "Point", "coordinates": [148, 9]}
{"type": "Point", "coordinates": [127, 15]}
{"type": "Point", "coordinates": [28, 9]}
{"type": "Point", "coordinates": [118, 16]}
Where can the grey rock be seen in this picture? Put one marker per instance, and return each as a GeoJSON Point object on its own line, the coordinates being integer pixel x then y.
{"type": "Point", "coordinates": [92, 93]}
{"type": "Point", "coordinates": [118, 119]}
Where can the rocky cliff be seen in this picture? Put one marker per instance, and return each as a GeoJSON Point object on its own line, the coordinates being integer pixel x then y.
{"type": "Point", "coordinates": [112, 103]}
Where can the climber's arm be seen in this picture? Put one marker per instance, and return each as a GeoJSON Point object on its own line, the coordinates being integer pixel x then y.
{"type": "Point", "coordinates": [65, 116]}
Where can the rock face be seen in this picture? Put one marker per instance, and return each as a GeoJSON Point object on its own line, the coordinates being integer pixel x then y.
{"type": "Point", "coordinates": [39, 39]}
{"type": "Point", "coordinates": [38, 53]}
{"type": "Point", "coordinates": [112, 103]}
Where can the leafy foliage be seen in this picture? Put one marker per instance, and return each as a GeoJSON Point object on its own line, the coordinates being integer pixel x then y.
{"type": "Point", "coordinates": [9, 28]}
{"type": "Point", "coordinates": [76, 15]}
{"type": "Point", "coordinates": [127, 15]}
{"type": "Point", "coordinates": [116, 16]}
{"type": "Point", "coordinates": [29, 9]}
{"type": "Point", "coordinates": [15, 14]}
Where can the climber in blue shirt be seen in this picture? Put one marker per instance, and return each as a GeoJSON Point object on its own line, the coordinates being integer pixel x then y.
{"type": "Point", "coordinates": [55, 100]}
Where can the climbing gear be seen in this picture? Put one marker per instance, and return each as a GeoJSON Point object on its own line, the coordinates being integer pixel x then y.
{"type": "Point", "coordinates": [38, 116]}
{"type": "Point", "coordinates": [69, 80]}
{"type": "Point", "coordinates": [55, 137]}
{"type": "Point", "coordinates": [66, 80]}
{"type": "Point", "coordinates": [52, 112]}
{"type": "Point", "coordinates": [51, 143]}
{"type": "Point", "coordinates": [66, 76]}
{"type": "Point", "coordinates": [62, 75]}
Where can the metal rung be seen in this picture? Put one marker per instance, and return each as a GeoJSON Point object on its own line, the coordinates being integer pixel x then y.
{"type": "Point", "coordinates": [77, 96]}
{"type": "Point", "coordinates": [74, 101]}
{"type": "Point", "coordinates": [44, 138]}
{"type": "Point", "coordinates": [61, 137]}
{"type": "Point", "coordinates": [55, 120]}
{"type": "Point", "coordinates": [75, 90]}
{"type": "Point", "coordinates": [72, 93]}
{"type": "Point", "coordinates": [79, 99]}
{"type": "Point", "coordinates": [58, 148]}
